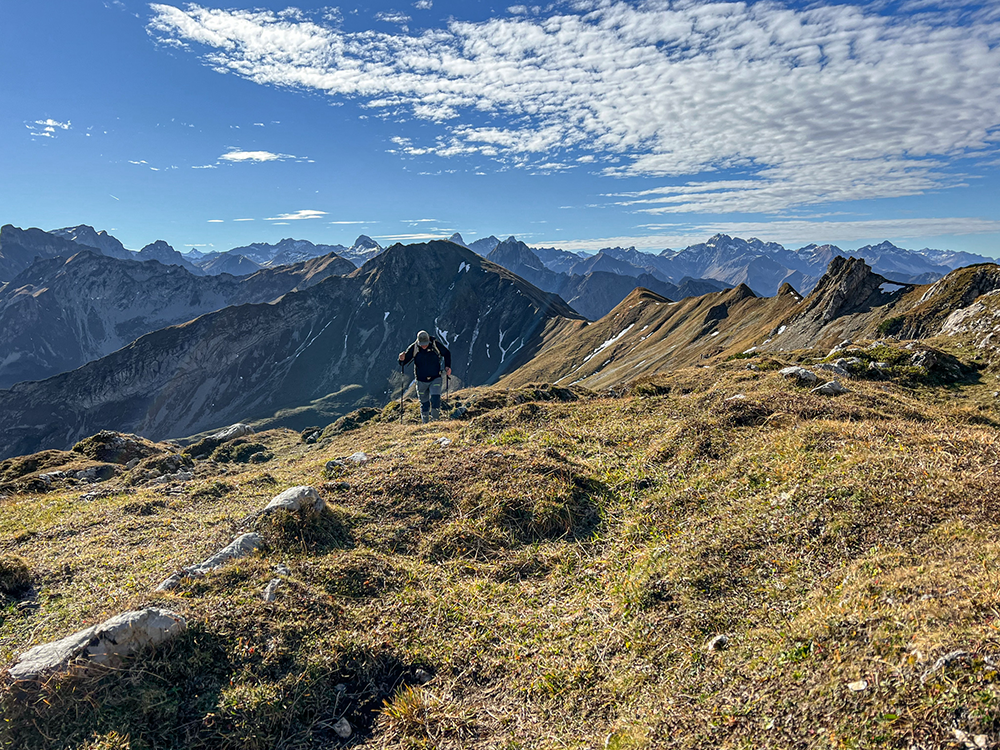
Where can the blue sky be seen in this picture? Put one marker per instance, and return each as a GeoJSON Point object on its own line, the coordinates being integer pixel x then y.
{"type": "Point", "coordinates": [577, 125]}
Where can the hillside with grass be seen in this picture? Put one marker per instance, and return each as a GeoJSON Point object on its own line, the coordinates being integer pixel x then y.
{"type": "Point", "coordinates": [711, 557]}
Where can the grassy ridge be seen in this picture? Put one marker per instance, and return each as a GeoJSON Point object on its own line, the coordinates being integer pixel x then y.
{"type": "Point", "coordinates": [557, 571]}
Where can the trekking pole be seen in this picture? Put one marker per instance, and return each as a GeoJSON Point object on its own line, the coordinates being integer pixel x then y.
{"type": "Point", "coordinates": [402, 389]}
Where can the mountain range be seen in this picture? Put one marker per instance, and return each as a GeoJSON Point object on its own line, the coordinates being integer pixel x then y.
{"type": "Point", "coordinates": [255, 360]}
{"type": "Point", "coordinates": [62, 312]}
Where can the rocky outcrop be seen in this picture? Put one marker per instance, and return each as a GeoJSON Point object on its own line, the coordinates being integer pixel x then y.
{"type": "Point", "coordinates": [252, 361]}
{"type": "Point", "coordinates": [848, 286]}
{"type": "Point", "coordinates": [102, 645]}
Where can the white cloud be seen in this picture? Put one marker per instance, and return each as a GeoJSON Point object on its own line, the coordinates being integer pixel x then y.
{"type": "Point", "coordinates": [807, 106]}
{"type": "Point", "coordinates": [399, 18]}
{"type": "Point", "coordinates": [423, 4]}
{"type": "Point", "coordinates": [298, 215]}
{"type": "Point", "coordinates": [46, 128]}
{"type": "Point", "coordinates": [216, 221]}
{"type": "Point", "coordinates": [239, 156]}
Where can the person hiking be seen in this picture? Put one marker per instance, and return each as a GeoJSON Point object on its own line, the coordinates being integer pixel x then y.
{"type": "Point", "coordinates": [426, 353]}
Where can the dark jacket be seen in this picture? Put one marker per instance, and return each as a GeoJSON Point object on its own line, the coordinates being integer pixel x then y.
{"type": "Point", "coordinates": [428, 361]}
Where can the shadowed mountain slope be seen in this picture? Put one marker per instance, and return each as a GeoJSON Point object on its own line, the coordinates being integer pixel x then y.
{"type": "Point", "coordinates": [62, 312]}
{"type": "Point", "coordinates": [19, 248]}
{"type": "Point", "coordinates": [251, 361]}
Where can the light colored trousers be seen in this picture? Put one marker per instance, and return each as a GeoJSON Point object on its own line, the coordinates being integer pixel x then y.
{"type": "Point", "coordinates": [430, 399]}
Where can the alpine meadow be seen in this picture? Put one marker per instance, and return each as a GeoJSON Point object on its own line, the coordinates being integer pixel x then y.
{"type": "Point", "coordinates": [637, 386]}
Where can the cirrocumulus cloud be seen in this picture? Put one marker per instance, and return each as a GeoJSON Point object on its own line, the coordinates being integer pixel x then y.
{"type": "Point", "coordinates": [739, 107]}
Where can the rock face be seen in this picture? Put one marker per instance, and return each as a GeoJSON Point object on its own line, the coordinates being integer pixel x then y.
{"type": "Point", "coordinates": [849, 296]}
{"type": "Point", "coordinates": [103, 644]}
{"type": "Point", "coordinates": [251, 361]}
{"type": "Point", "coordinates": [363, 250]}
{"type": "Point", "coordinates": [162, 252]}
{"type": "Point", "coordinates": [90, 237]}
{"type": "Point", "coordinates": [63, 312]}
{"type": "Point", "coordinates": [19, 248]}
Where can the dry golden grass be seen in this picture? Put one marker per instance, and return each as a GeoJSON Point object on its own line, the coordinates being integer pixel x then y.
{"type": "Point", "coordinates": [558, 570]}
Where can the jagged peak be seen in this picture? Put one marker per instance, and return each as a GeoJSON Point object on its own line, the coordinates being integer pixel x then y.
{"type": "Point", "coordinates": [643, 295]}
{"type": "Point", "coordinates": [847, 284]}
{"type": "Point", "coordinates": [739, 293]}
{"type": "Point", "coordinates": [788, 289]}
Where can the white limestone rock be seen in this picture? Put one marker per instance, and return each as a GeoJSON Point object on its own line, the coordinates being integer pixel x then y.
{"type": "Point", "coordinates": [240, 547]}
{"type": "Point", "coordinates": [296, 498]}
{"type": "Point", "coordinates": [232, 432]}
{"type": "Point", "coordinates": [103, 644]}
{"type": "Point", "coordinates": [799, 374]}
{"type": "Point", "coordinates": [833, 388]}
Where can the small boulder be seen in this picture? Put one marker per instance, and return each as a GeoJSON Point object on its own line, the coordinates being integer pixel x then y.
{"type": "Point", "coordinates": [296, 498]}
{"type": "Point", "coordinates": [272, 590]}
{"type": "Point", "coordinates": [240, 547]}
{"type": "Point", "coordinates": [799, 374]}
{"type": "Point", "coordinates": [103, 644]}
{"type": "Point", "coordinates": [839, 370]}
{"type": "Point", "coordinates": [343, 729]}
{"type": "Point", "coordinates": [717, 643]}
{"type": "Point", "coordinates": [833, 388]}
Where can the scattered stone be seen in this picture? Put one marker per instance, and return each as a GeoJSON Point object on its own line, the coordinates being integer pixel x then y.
{"type": "Point", "coordinates": [924, 358]}
{"type": "Point", "coordinates": [878, 366]}
{"type": "Point", "coordinates": [423, 676]}
{"type": "Point", "coordinates": [833, 388]}
{"type": "Point", "coordinates": [972, 742]}
{"type": "Point", "coordinates": [800, 374]}
{"type": "Point", "coordinates": [858, 687]}
{"type": "Point", "coordinates": [839, 347]}
{"type": "Point", "coordinates": [103, 644]}
{"type": "Point", "coordinates": [294, 499]}
{"type": "Point", "coordinates": [737, 397]}
{"type": "Point", "coordinates": [99, 473]}
{"type": "Point", "coordinates": [180, 476]}
{"type": "Point", "coordinates": [358, 458]}
{"type": "Point", "coordinates": [443, 442]}
{"type": "Point", "coordinates": [717, 643]}
{"type": "Point", "coordinates": [838, 370]}
{"type": "Point", "coordinates": [343, 729]}
{"type": "Point", "coordinates": [271, 591]}
{"type": "Point", "coordinates": [943, 662]}
{"type": "Point", "coordinates": [282, 570]}
{"type": "Point", "coordinates": [240, 547]}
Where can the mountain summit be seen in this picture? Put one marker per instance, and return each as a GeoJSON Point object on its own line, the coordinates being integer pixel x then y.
{"type": "Point", "coordinates": [251, 361]}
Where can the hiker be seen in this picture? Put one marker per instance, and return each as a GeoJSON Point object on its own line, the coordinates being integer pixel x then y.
{"type": "Point", "coordinates": [426, 353]}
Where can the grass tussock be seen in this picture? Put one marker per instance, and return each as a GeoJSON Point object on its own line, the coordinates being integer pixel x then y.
{"type": "Point", "coordinates": [713, 557]}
